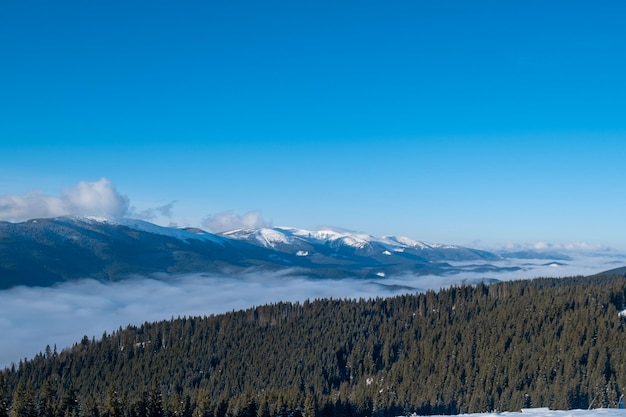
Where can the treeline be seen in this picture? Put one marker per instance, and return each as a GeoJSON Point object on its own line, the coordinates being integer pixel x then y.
{"type": "Point", "coordinates": [555, 343]}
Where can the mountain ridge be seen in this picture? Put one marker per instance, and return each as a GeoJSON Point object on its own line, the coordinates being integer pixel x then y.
{"type": "Point", "coordinates": [42, 252]}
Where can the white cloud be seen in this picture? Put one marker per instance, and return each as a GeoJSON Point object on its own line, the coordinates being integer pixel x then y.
{"type": "Point", "coordinates": [99, 198]}
{"type": "Point", "coordinates": [549, 246]}
{"type": "Point", "coordinates": [227, 221]}
{"type": "Point", "coordinates": [153, 213]}
{"type": "Point", "coordinates": [584, 246]}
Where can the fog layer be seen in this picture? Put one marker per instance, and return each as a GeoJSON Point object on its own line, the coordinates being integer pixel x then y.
{"type": "Point", "coordinates": [33, 317]}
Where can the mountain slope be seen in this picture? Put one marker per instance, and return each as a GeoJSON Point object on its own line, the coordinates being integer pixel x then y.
{"type": "Point", "coordinates": [554, 343]}
{"type": "Point", "coordinates": [45, 251]}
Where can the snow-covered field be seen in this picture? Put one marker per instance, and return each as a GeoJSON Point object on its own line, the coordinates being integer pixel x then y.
{"type": "Point", "coordinates": [544, 412]}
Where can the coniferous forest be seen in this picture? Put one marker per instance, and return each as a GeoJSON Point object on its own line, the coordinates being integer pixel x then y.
{"type": "Point", "coordinates": [557, 343]}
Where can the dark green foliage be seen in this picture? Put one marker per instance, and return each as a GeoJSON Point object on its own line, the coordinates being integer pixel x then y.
{"type": "Point", "coordinates": [154, 405]}
{"type": "Point", "coordinates": [548, 342]}
{"type": "Point", "coordinates": [48, 403]}
{"type": "Point", "coordinates": [23, 401]}
{"type": "Point", "coordinates": [4, 403]}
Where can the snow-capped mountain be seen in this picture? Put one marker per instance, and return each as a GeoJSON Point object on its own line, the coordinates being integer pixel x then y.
{"type": "Point", "coordinates": [46, 251]}
{"type": "Point", "coordinates": [290, 240]}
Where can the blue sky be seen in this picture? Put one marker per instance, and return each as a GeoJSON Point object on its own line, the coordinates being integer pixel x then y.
{"type": "Point", "coordinates": [477, 123]}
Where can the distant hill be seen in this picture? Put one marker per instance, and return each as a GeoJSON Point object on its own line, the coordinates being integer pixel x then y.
{"type": "Point", "coordinates": [616, 271]}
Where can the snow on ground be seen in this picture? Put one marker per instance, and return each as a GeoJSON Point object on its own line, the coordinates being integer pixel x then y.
{"type": "Point", "coordinates": [544, 412]}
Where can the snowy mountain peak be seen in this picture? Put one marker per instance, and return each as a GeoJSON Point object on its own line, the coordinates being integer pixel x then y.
{"type": "Point", "coordinates": [411, 243]}
{"type": "Point", "coordinates": [271, 237]}
{"type": "Point", "coordinates": [83, 219]}
{"type": "Point", "coordinates": [286, 239]}
{"type": "Point", "coordinates": [302, 239]}
{"type": "Point", "coordinates": [267, 237]}
{"type": "Point", "coordinates": [144, 226]}
{"type": "Point", "coordinates": [332, 237]}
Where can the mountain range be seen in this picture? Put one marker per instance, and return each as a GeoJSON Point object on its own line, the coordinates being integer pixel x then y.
{"type": "Point", "coordinates": [42, 252]}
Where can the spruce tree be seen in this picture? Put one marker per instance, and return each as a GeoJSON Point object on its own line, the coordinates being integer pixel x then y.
{"type": "Point", "coordinates": [154, 407]}
{"type": "Point", "coordinates": [47, 400]}
{"type": "Point", "coordinates": [23, 404]}
{"type": "Point", "coordinates": [4, 403]}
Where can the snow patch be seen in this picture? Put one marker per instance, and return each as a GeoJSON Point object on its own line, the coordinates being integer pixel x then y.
{"type": "Point", "coordinates": [405, 242]}
{"type": "Point", "coordinates": [354, 241]}
{"type": "Point", "coordinates": [270, 237]}
{"type": "Point", "coordinates": [545, 412]}
{"type": "Point", "coordinates": [98, 219]}
{"type": "Point", "coordinates": [180, 234]}
{"type": "Point", "coordinates": [147, 227]}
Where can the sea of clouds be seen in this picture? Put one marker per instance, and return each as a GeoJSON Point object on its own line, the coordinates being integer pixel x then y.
{"type": "Point", "coordinates": [33, 317]}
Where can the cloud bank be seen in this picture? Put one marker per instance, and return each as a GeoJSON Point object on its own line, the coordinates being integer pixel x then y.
{"type": "Point", "coordinates": [549, 246]}
{"type": "Point", "coordinates": [31, 318]}
{"type": "Point", "coordinates": [228, 220]}
{"type": "Point", "coordinates": [154, 214]}
{"type": "Point", "coordinates": [99, 198]}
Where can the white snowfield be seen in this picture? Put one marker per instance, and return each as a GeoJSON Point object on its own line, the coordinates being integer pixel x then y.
{"type": "Point", "coordinates": [545, 412]}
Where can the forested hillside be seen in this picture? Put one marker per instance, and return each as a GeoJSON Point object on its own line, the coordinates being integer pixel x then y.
{"type": "Point", "coordinates": [555, 343]}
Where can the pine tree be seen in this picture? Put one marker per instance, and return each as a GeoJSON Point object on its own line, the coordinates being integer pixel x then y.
{"type": "Point", "coordinates": [221, 410]}
{"type": "Point", "coordinates": [23, 402]}
{"type": "Point", "coordinates": [310, 406]}
{"type": "Point", "coordinates": [112, 405]}
{"type": "Point", "coordinates": [69, 403]}
{"type": "Point", "coordinates": [264, 409]}
{"type": "Point", "coordinates": [47, 400]}
{"type": "Point", "coordinates": [4, 403]}
{"type": "Point", "coordinates": [204, 406]}
{"type": "Point", "coordinates": [154, 407]}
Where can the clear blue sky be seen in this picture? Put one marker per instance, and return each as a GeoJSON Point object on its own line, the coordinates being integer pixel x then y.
{"type": "Point", "coordinates": [467, 122]}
